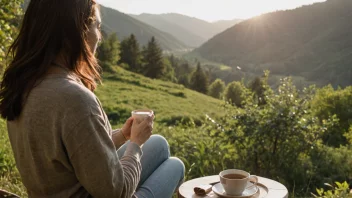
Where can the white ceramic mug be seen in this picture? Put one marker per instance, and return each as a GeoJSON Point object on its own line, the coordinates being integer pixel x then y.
{"type": "Point", "coordinates": [140, 115]}
{"type": "Point", "coordinates": [236, 186]}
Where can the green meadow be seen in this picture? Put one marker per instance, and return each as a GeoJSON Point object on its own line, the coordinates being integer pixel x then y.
{"type": "Point", "coordinates": [124, 91]}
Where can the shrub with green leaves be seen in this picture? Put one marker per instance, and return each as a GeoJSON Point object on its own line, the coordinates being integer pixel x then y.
{"type": "Point", "coordinates": [10, 12]}
{"type": "Point", "coordinates": [339, 190]}
{"type": "Point", "coordinates": [329, 102]}
{"type": "Point", "coordinates": [9, 177]}
{"type": "Point", "coordinates": [236, 93]}
{"type": "Point", "coordinates": [331, 164]}
{"type": "Point", "coordinates": [201, 152]}
{"type": "Point", "coordinates": [276, 140]}
{"type": "Point", "coordinates": [217, 88]}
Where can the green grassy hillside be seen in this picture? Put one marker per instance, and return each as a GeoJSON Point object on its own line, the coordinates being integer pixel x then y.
{"type": "Point", "coordinates": [124, 25]}
{"type": "Point", "coordinates": [124, 91]}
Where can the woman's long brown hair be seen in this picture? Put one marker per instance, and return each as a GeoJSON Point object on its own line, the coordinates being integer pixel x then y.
{"type": "Point", "coordinates": [49, 28]}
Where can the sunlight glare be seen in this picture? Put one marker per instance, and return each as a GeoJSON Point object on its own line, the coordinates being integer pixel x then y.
{"type": "Point", "coordinates": [210, 10]}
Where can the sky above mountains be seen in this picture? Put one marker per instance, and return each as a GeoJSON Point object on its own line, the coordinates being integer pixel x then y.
{"type": "Point", "coordinates": [209, 10]}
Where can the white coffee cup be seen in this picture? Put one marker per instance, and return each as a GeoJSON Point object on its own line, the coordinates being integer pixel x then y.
{"type": "Point", "coordinates": [235, 181]}
{"type": "Point", "coordinates": [140, 115]}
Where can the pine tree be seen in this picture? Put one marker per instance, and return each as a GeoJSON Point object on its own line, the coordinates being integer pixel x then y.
{"type": "Point", "coordinates": [173, 61]}
{"type": "Point", "coordinates": [154, 66]}
{"type": "Point", "coordinates": [184, 69]}
{"type": "Point", "coordinates": [199, 80]}
{"type": "Point", "coordinates": [130, 53]}
{"type": "Point", "coordinates": [108, 51]}
{"type": "Point", "coordinates": [217, 88]}
{"type": "Point", "coordinates": [184, 80]}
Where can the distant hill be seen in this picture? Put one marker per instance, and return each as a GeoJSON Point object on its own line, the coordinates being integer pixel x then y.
{"type": "Point", "coordinates": [312, 41]}
{"type": "Point", "coordinates": [187, 29]}
{"type": "Point", "coordinates": [174, 29]}
{"type": "Point", "coordinates": [222, 25]}
{"type": "Point", "coordinates": [124, 25]}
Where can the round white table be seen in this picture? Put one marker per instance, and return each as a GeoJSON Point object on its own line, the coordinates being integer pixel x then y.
{"type": "Point", "coordinates": [268, 188]}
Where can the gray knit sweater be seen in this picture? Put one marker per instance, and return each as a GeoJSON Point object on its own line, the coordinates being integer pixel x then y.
{"type": "Point", "coordinates": [63, 145]}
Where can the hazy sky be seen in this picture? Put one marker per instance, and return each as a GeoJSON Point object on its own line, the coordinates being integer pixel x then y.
{"type": "Point", "coordinates": [210, 10]}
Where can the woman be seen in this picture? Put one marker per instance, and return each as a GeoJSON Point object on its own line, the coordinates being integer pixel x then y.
{"type": "Point", "coordinates": [61, 138]}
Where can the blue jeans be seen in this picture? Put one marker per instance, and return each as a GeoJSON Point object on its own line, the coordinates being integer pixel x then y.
{"type": "Point", "coordinates": [161, 174]}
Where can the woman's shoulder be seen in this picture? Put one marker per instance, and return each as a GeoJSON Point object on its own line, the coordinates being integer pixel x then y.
{"type": "Point", "coordinates": [66, 93]}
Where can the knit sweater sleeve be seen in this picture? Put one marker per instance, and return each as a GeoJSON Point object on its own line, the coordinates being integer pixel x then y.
{"type": "Point", "coordinates": [96, 163]}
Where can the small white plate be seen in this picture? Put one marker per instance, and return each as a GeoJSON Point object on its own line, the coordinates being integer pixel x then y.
{"type": "Point", "coordinates": [250, 191]}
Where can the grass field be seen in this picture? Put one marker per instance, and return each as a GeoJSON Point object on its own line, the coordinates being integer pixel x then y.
{"type": "Point", "coordinates": [124, 91]}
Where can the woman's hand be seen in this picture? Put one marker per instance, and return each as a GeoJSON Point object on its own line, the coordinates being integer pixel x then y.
{"type": "Point", "coordinates": [126, 129]}
{"type": "Point", "coordinates": [140, 132]}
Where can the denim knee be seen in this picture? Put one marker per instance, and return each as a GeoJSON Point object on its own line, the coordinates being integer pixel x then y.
{"type": "Point", "coordinates": [178, 167]}
{"type": "Point", "coordinates": [160, 144]}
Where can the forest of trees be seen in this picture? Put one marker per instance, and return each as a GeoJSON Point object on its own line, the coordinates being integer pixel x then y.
{"type": "Point", "coordinates": [150, 62]}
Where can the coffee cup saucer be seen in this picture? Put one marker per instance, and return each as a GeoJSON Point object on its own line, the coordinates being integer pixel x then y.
{"type": "Point", "coordinates": [251, 190]}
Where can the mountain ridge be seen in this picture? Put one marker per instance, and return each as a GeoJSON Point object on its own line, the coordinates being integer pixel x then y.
{"type": "Point", "coordinates": [190, 30]}
{"type": "Point", "coordinates": [311, 41]}
{"type": "Point", "coordinates": [123, 25]}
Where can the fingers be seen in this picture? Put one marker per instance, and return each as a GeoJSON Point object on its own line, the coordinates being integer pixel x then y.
{"type": "Point", "coordinates": [150, 118]}
{"type": "Point", "coordinates": [129, 121]}
{"type": "Point", "coordinates": [150, 127]}
{"type": "Point", "coordinates": [148, 124]}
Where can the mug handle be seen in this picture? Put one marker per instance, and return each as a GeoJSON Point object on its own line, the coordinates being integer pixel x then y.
{"type": "Point", "coordinates": [253, 179]}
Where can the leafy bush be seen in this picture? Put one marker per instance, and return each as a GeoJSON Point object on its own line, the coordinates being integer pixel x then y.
{"type": "Point", "coordinates": [217, 88]}
{"type": "Point", "coordinates": [331, 164]}
{"type": "Point", "coordinates": [11, 181]}
{"type": "Point", "coordinates": [282, 139]}
{"type": "Point", "coordinates": [10, 13]}
{"type": "Point", "coordinates": [7, 162]}
{"type": "Point", "coordinates": [328, 102]}
{"type": "Point", "coordinates": [9, 177]}
{"type": "Point", "coordinates": [201, 152]}
{"type": "Point", "coordinates": [107, 67]}
{"type": "Point", "coordinates": [339, 190]}
{"type": "Point", "coordinates": [236, 93]}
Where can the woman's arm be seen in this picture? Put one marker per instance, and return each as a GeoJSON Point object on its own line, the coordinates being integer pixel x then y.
{"type": "Point", "coordinates": [95, 162]}
{"type": "Point", "coordinates": [118, 138]}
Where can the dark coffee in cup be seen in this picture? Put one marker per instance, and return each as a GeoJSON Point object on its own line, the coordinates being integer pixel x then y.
{"type": "Point", "coordinates": [235, 181]}
{"type": "Point", "coordinates": [234, 176]}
